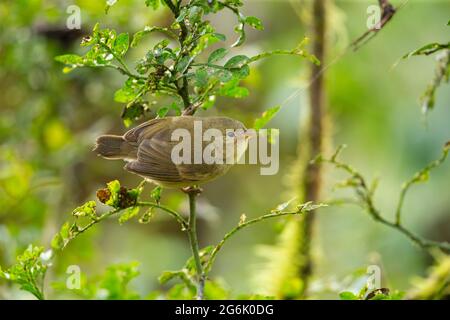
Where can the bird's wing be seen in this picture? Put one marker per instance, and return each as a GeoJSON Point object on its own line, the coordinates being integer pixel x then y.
{"type": "Point", "coordinates": [147, 129]}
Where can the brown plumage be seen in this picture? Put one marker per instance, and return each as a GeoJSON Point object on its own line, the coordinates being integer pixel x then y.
{"type": "Point", "coordinates": [148, 148]}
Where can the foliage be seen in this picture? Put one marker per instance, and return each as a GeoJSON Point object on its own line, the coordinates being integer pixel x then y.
{"type": "Point", "coordinates": [29, 271]}
{"type": "Point", "coordinates": [365, 196]}
{"type": "Point", "coordinates": [113, 284]}
{"type": "Point", "coordinates": [442, 71]}
{"type": "Point", "coordinates": [177, 66]}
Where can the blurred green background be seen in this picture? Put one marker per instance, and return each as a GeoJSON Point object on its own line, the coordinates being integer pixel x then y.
{"type": "Point", "coordinates": [49, 121]}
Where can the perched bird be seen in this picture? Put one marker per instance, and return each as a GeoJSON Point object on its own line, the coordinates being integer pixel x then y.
{"type": "Point", "coordinates": [147, 149]}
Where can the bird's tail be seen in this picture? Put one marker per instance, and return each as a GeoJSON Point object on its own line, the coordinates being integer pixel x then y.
{"type": "Point", "coordinates": [114, 147]}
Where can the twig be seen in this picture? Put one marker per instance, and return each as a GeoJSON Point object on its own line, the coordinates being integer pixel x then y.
{"type": "Point", "coordinates": [365, 196]}
{"type": "Point", "coordinates": [300, 209]}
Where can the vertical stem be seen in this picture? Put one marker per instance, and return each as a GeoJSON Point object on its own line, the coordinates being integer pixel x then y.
{"type": "Point", "coordinates": [312, 176]}
{"type": "Point", "coordinates": [192, 232]}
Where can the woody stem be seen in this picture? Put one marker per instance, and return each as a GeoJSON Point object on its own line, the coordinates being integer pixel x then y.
{"type": "Point", "coordinates": [192, 233]}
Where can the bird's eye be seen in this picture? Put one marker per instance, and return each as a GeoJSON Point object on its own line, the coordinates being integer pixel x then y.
{"type": "Point", "coordinates": [230, 134]}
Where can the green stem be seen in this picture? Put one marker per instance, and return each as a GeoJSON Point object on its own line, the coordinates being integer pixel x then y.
{"type": "Point", "coordinates": [192, 233]}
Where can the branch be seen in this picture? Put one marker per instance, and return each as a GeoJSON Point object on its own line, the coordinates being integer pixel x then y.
{"type": "Point", "coordinates": [192, 193]}
{"type": "Point", "coordinates": [275, 213]}
{"type": "Point", "coordinates": [420, 176]}
{"type": "Point", "coordinates": [183, 223]}
{"type": "Point", "coordinates": [365, 197]}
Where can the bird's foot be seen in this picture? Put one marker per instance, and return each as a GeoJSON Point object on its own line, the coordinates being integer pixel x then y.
{"type": "Point", "coordinates": [192, 190]}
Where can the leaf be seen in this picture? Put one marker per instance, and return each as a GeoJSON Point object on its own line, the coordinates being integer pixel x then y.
{"type": "Point", "coordinates": [29, 270]}
{"type": "Point", "coordinates": [152, 3]}
{"type": "Point", "coordinates": [147, 30]}
{"type": "Point", "coordinates": [133, 112]}
{"type": "Point", "coordinates": [232, 89]}
{"type": "Point", "coordinates": [131, 90]}
{"type": "Point", "coordinates": [147, 216]}
{"type": "Point", "coordinates": [266, 117]}
{"type": "Point", "coordinates": [216, 55]}
{"type": "Point", "coordinates": [183, 64]}
{"type": "Point", "coordinates": [87, 209]}
{"type": "Point", "coordinates": [427, 49]}
{"type": "Point", "coordinates": [237, 62]}
{"type": "Point", "coordinates": [109, 4]}
{"type": "Point", "coordinates": [254, 22]}
{"type": "Point", "coordinates": [162, 112]}
{"type": "Point", "coordinates": [347, 295]}
{"type": "Point", "coordinates": [155, 194]}
{"type": "Point", "coordinates": [121, 44]}
{"type": "Point", "coordinates": [283, 205]}
{"type": "Point", "coordinates": [128, 214]}
{"type": "Point", "coordinates": [71, 59]}
{"type": "Point", "coordinates": [218, 36]}
{"type": "Point", "coordinates": [114, 189]}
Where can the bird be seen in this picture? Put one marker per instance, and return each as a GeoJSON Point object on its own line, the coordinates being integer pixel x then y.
{"type": "Point", "coordinates": [147, 149]}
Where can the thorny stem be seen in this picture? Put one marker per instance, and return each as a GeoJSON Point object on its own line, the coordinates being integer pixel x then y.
{"type": "Point", "coordinates": [192, 233]}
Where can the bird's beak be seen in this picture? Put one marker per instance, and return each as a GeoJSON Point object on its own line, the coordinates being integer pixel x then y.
{"type": "Point", "coordinates": [249, 135]}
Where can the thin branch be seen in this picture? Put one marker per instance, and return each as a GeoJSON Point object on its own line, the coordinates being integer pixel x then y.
{"type": "Point", "coordinates": [192, 233]}
{"type": "Point", "coordinates": [365, 196]}
{"type": "Point", "coordinates": [300, 209]}
{"type": "Point", "coordinates": [418, 177]}
{"type": "Point", "coordinates": [183, 223]}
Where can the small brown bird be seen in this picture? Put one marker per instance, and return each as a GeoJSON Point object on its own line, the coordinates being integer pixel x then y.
{"type": "Point", "coordinates": [147, 149]}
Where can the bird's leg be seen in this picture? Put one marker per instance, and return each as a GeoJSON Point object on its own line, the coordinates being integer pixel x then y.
{"type": "Point", "coordinates": [193, 192]}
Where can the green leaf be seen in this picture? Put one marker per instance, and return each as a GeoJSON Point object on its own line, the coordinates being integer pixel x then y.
{"type": "Point", "coordinates": [86, 210]}
{"type": "Point", "coordinates": [219, 36]}
{"type": "Point", "coordinates": [427, 49]}
{"type": "Point", "coordinates": [155, 194]}
{"type": "Point", "coordinates": [147, 30]}
{"type": "Point", "coordinates": [152, 3]}
{"type": "Point", "coordinates": [254, 22]}
{"type": "Point", "coordinates": [128, 214]}
{"type": "Point", "coordinates": [147, 216]}
{"type": "Point", "coordinates": [216, 55]}
{"type": "Point", "coordinates": [121, 44]}
{"type": "Point", "coordinates": [162, 112]}
{"type": "Point", "coordinates": [29, 270]}
{"type": "Point", "coordinates": [183, 64]}
{"type": "Point", "coordinates": [232, 89]}
{"type": "Point", "coordinates": [347, 295]}
{"type": "Point", "coordinates": [237, 61]}
{"type": "Point", "coordinates": [201, 77]}
{"type": "Point", "coordinates": [114, 189]}
{"type": "Point", "coordinates": [109, 4]}
{"type": "Point", "coordinates": [70, 59]}
{"type": "Point", "coordinates": [266, 117]}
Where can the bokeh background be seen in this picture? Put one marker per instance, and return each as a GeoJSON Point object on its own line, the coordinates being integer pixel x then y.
{"type": "Point", "coordinates": [49, 121]}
